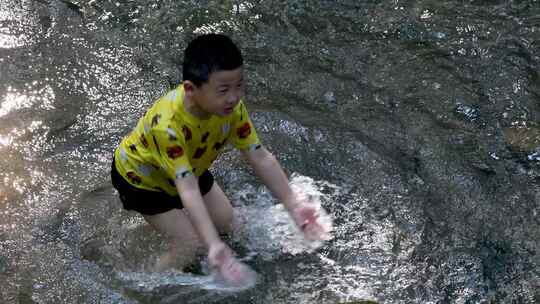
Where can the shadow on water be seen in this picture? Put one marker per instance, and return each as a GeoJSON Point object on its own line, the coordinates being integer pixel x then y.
{"type": "Point", "coordinates": [416, 120]}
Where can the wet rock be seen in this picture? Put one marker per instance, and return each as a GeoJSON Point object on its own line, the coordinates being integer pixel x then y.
{"type": "Point", "coordinates": [25, 297]}
{"type": "Point", "coordinates": [524, 139]}
{"type": "Point", "coordinates": [72, 6]}
{"type": "Point", "coordinates": [361, 302]}
{"type": "Point", "coordinates": [92, 249]}
{"type": "Point", "coordinates": [3, 264]}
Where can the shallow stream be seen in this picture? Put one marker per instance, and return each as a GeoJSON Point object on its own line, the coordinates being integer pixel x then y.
{"type": "Point", "coordinates": [417, 121]}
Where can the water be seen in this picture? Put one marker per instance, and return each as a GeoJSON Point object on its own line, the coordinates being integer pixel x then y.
{"type": "Point", "coordinates": [418, 121]}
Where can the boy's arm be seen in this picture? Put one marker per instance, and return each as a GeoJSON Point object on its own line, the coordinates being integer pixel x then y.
{"type": "Point", "coordinates": [268, 169]}
{"type": "Point", "coordinates": [219, 254]}
{"type": "Point", "coordinates": [188, 189]}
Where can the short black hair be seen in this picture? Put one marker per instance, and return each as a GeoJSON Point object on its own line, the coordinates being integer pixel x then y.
{"type": "Point", "coordinates": [209, 53]}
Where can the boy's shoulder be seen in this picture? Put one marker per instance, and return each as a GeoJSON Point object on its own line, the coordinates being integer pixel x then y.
{"type": "Point", "coordinates": [164, 109]}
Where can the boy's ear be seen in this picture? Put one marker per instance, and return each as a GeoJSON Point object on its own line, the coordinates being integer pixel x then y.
{"type": "Point", "coordinates": [189, 87]}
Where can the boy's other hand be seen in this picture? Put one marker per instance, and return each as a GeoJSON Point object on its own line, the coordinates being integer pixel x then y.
{"type": "Point", "coordinates": [232, 271]}
{"type": "Point", "coordinates": [308, 219]}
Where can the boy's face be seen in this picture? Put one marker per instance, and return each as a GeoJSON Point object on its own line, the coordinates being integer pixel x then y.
{"type": "Point", "coordinates": [221, 93]}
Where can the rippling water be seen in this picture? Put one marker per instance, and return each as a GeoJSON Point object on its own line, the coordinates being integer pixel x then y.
{"type": "Point", "coordinates": [418, 121]}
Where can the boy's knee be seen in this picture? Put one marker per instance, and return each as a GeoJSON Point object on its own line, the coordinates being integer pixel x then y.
{"type": "Point", "coordinates": [186, 245]}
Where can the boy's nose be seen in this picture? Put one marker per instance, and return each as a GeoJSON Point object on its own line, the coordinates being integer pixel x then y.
{"type": "Point", "coordinates": [233, 98]}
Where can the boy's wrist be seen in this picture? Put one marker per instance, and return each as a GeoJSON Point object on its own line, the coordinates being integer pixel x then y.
{"type": "Point", "coordinates": [290, 202]}
{"type": "Point", "coordinates": [213, 242]}
{"type": "Point", "coordinates": [218, 253]}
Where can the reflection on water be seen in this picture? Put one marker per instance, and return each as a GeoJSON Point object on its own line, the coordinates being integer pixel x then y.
{"type": "Point", "coordinates": [5, 140]}
{"type": "Point", "coordinates": [12, 102]}
{"type": "Point", "coordinates": [39, 99]}
{"type": "Point", "coordinates": [18, 24]}
{"type": "Point", "coordinates": [417, 122]}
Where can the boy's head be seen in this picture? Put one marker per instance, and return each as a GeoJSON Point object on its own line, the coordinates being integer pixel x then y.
{"type": "Point", "coordinates": [207, 54]}
{"type": "Point", "coordinates": [213, 75]}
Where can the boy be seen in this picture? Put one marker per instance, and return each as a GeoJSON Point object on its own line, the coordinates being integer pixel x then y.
{"type": "Point", "coordinates": [161, 168]}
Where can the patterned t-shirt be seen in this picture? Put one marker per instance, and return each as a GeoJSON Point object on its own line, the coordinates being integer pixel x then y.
{"type": "Point", "coordinates": [169, 142]}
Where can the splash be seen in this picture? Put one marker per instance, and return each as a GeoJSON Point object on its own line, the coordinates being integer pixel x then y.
{"type": "Point", "coordinates": [267, 228]}
{"type": "Point", "coordinates": [148, 282]}
{"type": "Point", "coordinates": [307, 191]}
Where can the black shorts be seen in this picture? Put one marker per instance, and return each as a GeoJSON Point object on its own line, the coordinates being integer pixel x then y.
{"type": "Point", "coordinates": [152, 202]}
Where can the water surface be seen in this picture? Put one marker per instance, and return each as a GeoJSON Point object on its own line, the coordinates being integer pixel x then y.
{"type": "Point", "coordinates": [418, 121]}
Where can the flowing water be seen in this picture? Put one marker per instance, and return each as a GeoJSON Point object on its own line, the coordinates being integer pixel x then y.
{"type": "Point", "coordinates": [417, 122]}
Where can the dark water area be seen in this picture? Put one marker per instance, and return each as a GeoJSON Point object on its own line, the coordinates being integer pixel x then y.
{"type": "Point", "coordinates": [418, 121]}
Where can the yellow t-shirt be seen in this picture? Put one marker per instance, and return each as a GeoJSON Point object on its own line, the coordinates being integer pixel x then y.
{"type": "Point", "coordinates": [169, 142]}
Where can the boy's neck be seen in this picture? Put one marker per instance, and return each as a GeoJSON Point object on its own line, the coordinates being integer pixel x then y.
{"type": "Point", "coordinates": [193, 109]}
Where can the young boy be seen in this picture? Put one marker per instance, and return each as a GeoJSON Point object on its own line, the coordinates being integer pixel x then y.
{"type": "Point", "coordinates": [161, 168]}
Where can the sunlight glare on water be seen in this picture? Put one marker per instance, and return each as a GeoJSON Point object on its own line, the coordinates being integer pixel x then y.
{"type": "Point", "coordinates": [13, 101]}
{"type": "Point", "coordinates": [41, 98]}
{"type": "Point", "coordinates": [15, 36]}
{"type": "Point", "coordinates": [5, 140]}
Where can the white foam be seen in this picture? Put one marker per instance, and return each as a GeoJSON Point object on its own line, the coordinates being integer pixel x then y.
{"type": "Point", "coordinates": [268, 230]}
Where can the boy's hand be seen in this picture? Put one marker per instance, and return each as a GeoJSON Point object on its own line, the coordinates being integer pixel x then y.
{"type": "Point", "coordinates": [308, 219]}
{"type": "Point", "coordinates": [232, 271]}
